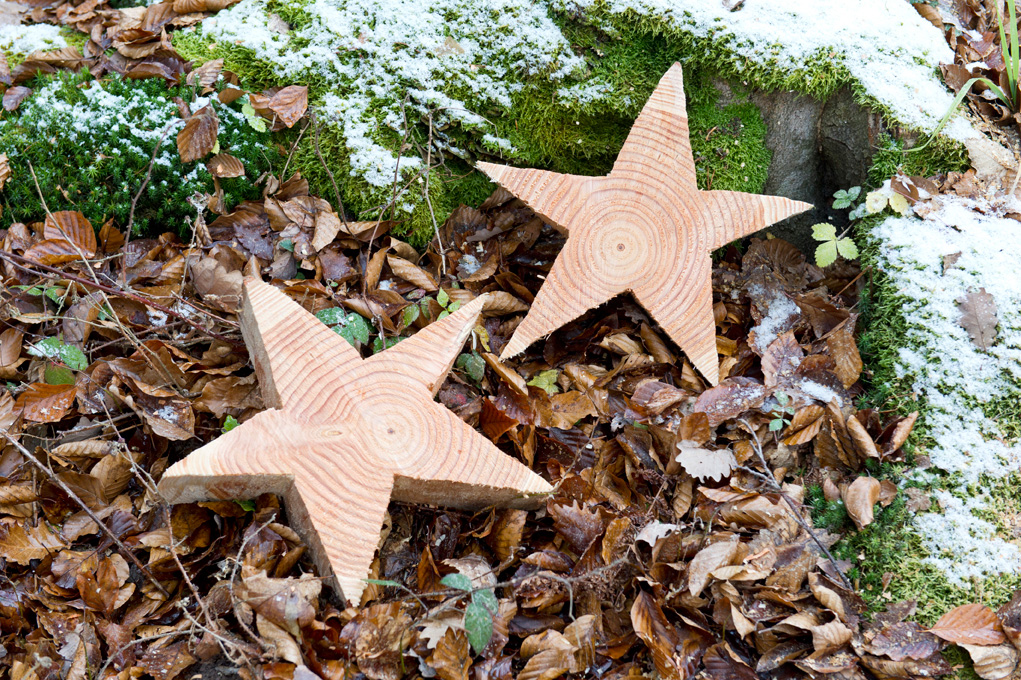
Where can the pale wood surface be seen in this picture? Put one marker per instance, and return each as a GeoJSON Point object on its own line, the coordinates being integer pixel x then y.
{"type": "Point", "coordinates": [344, 435]}
{"type": "Point", "coordinates": [643, 229]}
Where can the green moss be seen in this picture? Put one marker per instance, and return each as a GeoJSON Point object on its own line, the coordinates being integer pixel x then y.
{"type": "Point", "coordinates": [92, 154]}
{"type": "Point", "coordinates": [74, 38]}
{"type": "Point", "coordinates": [941, 155]}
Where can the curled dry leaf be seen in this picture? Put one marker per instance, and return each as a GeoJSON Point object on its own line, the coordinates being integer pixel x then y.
{"type": "Point", "coordinates": [675, 649]}
{"type": "Point", "coordinates": [216, 285]}
{"type": "Point", "coordinates": [207, 74]}
{"type": "Point", "coordinates": [995, 662]}
{"type": "Point", "coordinates": [224, 165]}
{"type": "Point", "coordinates": [412, 273]}
{"type": "Point", "coordinates": [198, 136]}
{"type": "Point", "coordinates": [5, 169]}
{"type": "Point", "coordinates": [972, 624]}
{"type": "Point", "coordinates": [830, 636]}
{"type": "Point", "coordinates": [859, 498]}
{"type": "Point", "coordinates": [844, 350]}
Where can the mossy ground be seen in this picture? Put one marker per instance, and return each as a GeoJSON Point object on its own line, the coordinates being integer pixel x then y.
{"type": "Point", "coordinates": [546, 129]}
{"type": "Point", "coordinates": [892, 546]}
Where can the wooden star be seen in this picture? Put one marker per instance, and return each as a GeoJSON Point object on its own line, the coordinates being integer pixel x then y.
{"type": "Point", "coordinates": [343, 435]}
{"type": "Point", "coordinates": [645, 229]}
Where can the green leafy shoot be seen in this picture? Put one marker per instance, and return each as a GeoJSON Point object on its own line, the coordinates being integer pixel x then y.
{"type": "Point", "coordinates": [547, 380]}
{"type": "Point", "coordinates": [832, 245]}
{"type": "Point", "coordinates": [246, 505]}
{"type": "Point", "coordinates": [843, 199]}
{"type": "Point", "coordinates": [411, 314]}
{"type": "Point", "coordinates": [58, 375]}
{"type": "Point", "coordinates": [478, 615]}
{"type": "Point", "coordinates": [229, 423]}
{"type": "Point", "coordinates": [349, 325]}
{"type": "Point", "coordinates": [378, 345]}
{"type": "Point", "coordinates": [473, 364]}
{"type": "Point", "coordinates": [55, 350]}
{"type": "Point", "coordinates": [780, 419]}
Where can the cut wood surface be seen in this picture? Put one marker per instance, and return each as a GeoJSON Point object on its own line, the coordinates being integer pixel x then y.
{"type": "Point", "coordinates": [343, 435]}
{"type": "Point", "coordinates": [644, 229]}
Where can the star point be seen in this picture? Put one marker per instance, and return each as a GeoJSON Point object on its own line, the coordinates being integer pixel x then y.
{"type": "Point", "coordinates": [344, 435]}
{"type": "Point", "coordinates": [644, 229]}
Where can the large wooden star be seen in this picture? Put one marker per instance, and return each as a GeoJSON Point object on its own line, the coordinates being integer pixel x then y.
{"type": "Point", "coordinates": [645, 229]}
{"type": "Point", "coordinates": [345, 434]}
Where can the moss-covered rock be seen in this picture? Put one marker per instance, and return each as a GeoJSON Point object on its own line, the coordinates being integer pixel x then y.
{"type": "Point", "coordinates": [555, 85]}
{"type": "Point", "coordinates": [90, 144]}
{"type": "Point", "coordinates": [922, 357]}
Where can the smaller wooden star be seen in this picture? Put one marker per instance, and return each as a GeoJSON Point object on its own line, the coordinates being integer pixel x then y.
{"type": "Point", "coordinates": [344, 435]}
{"type": "Point", "coordinates": [644, 229]}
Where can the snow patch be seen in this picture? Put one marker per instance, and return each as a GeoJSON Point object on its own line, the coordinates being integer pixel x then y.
{"type": "Point", "coordinates": [954, 375]}
{"type": "Point", "coordinates": [19, 39]}
{"type": "Point", "coordinates": [884, 44]}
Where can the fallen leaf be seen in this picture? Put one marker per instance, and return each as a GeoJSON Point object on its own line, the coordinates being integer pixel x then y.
{"type": "Point", "coordinates": [705, 463]}
{"type": "Point", "coordinates": [198, 136]}
{"type": "Point", "coordinates": [978, 317]}
{"type": "Point", "coordinates": [859, 498]}
{"type": "Point", "coordinates": [973, 624]}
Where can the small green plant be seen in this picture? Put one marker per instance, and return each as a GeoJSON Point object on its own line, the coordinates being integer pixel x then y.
{"type": "Point", "coordinates": [478, 615]}
{"type": "Point", "coordinates": [547, 380]}
{"type": "Point", "coordinates": [780, 419]}
{"type": "Point", "coordinates": [229, 423]}
{"type": "Point", "coordinates": [843, 198]}
{"type": "Point", "coordinates": [832, 245]}
{"type": "Point", "coordinates": [53, 349]}
{"type": "Point", "coordinates": [473, 364]}
{"type": "Point", "coordinates": [349, 325]}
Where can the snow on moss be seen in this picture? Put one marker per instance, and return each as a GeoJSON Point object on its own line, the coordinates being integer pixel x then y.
{"type": "Point", "coordinates": [890, 51]}
{"type": "Point", "coordinates": [19, 39]}
{"type": "Point", "coordinates": [961, 246]}
{"type": "Point", "coordinates": [447, 58]}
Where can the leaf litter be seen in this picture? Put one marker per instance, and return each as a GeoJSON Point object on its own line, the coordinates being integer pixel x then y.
{"type": "Point", "coordinates": [678, 539]}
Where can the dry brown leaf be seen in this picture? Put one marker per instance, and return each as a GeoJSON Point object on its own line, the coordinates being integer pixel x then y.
{"type": "Point", "coordinates": [973, 624]}
{"type": "Point", "coordinates": [71, 226]}
{"type": "Point", "coordinates": [996, 662]}
{"type": "Point", "coordinates": [198, 136]}
{"type": "Point", "coordinates": [452, 657]}
{"type": "Point", "coordinates": [568, 408]}
{"type": "Point", "coordinates": [900, 434]}
{"type": "Point", "coordinates": [412, 273]}
{"type": "Point", "coordinates": [5, 169]}
{"type": "Point", "coordinates": [42, 403]}
{"type": "Point", "coordinates": [781, 359]}
{"type": "Point", "coordinates": [859, 498]}
{"type": "Point", "coordinates": [675, 649]}
{"type": "Point", "coordinates": [844, 351]}
{"type": "Point", "coordinates": [860, 436]}
{"type": "Point", "coordinates": [14, 96]}
{"type": "Point", "coordinates": [805, 425]}
{"type": "Point", "coordinates": [10, 346]}
{"type": "Point", "coordinates": [290, 104]}
{"type": "Point", "coordinates": [224, 165]}
{"type": "Point", "coordinates": [978, 317]}
{"type": "Point", "coordinates": [501, 302]}
{"type": "Point", "coordinates": [21, 544]}
{"type": "Point", "coordinates": [830, 636]}
{"type": "Point", "coordinates": [708, 559]}
{"type": "Point", "coordinates": [207, 74]}
{"type": "Point", "coordinates": [217, 286]}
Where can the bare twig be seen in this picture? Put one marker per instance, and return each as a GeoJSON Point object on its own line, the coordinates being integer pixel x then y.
{"type": "Point", "coordinates": [31, 267]}
{"type": "Point", "coordinates": [145, 182]}
{"type": "Point", "coordinates": [319, 154]}
{"type": "Point", "coordinates": [768, 478]}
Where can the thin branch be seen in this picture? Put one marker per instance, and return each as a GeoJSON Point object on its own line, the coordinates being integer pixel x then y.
{"type": "Point", "coordinates": [55, 273]}
{"type": "Point", "coordinates": [145, 182]}
{"type": "Point", "coordinates": [770, 481]}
